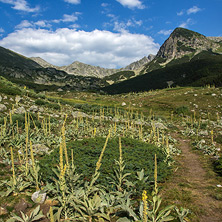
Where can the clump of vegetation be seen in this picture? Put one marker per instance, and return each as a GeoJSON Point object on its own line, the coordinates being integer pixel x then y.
{"type": "Point", "coordinates": [182, 110]}
{"type": "Point", "coordinates": [9, 88]}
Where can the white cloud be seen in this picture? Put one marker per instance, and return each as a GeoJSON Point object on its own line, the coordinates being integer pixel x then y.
{"type": "Point", "coordinates": [132, 4]}
{"type": "Point", "coordinates": [21, 5]}
{"type": "Point", "coordinates": [43, 24]}
{"type": "Point", "coordinates": [27, 24]}
{"type": "Point", "coordinates": [63, 46]}
{"type": "Point", "coordinates": [185, 24]}
{"type": "Point", "coordinates": [193, 10]}
{"type": "Point", "coordinates": [180, 13]}
{"type": "Point", "coordinates": [165, 32]}
{"type": "Point", "coordinates": [75, 2]}
{"type": "Point", "coordinates": [67, 18]}
{"type": "Point", "coordinates": [24, 24]}
{"type": "Point", "coordinates": [104, 4]}
{"type": "Point", "coordinates": [123, 26]}
{"type": "Point", "coordinates": [2, 30]}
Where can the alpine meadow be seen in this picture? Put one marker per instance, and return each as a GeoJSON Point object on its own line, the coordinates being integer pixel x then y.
{"type": "Point", "coordinates": [84, 142]}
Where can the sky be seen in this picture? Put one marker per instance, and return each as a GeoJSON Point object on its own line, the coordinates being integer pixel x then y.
{"type": "Point", "coordinates": [106, 33]}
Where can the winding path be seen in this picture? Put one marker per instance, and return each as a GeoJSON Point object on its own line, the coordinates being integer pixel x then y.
{"type": "Point", "coordinates": [193, 179]}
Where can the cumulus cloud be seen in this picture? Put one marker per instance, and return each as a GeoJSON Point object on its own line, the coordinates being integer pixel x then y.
{"type": "Point", "coordinates": [43, 24]}
{"type": "Point", "coordinates": [21, 5]}
{"type": "Point", "coordinates": [185, 24]}
{"type": "Point", "coordinates": [165, 32]}
{"type": "Point", "coordinates": [24, 24]}
{"type": "Point", "coordinates": [67, 18]}
{"type": "Point", "coordinates": [132, 4]}
{"type": "Point", "coordinates": [193, 10]}
{"type": "Point", "coordinates": [123, 26]}
{"type": "Point", "coordinates": [47, 23]}
{"type": "Point", "coordinates": [75, 2]}
{"type": "Point", "coordinates": [63, 46]}
{"type": "Point", "coordinates": [2, 30]}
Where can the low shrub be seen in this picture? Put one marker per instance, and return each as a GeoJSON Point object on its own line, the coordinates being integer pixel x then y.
{"type": "Point", "coordinates": [137, 156]}
{"type": "Point", "coordinates": [182, 110]}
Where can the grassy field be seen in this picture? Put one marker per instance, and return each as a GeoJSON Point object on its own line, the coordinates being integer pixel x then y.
{"type": "Point", "coordinates": [146, 156]}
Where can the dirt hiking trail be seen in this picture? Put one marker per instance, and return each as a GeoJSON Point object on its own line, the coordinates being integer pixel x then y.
{"type": "Point", "coordinates": [193, 186]}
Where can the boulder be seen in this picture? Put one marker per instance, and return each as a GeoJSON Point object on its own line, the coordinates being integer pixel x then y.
{"type": "Point", "coordinates": [20, 110]}
{"type": "Point", "coordinates": [78, 114]}
{"type": "Point", "coordinates": [160, 125]}
{"type": "Point", "coordinates": [38, 197]}
{"type": "Point", "coordinates": [33, 109]}
{"type": "Point", "coordinates": [2, 108]}
{"type": "Point", "coordinates": [123, 104]}
{"type": "Point", "coordinates": [40, 149]}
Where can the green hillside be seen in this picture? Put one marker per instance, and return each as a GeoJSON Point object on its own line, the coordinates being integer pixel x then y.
{"type": "Point", "coordinates": [9, 58]}
{"type": "Point", "coordinates": [119, 76]}
{"type": "Point", "coordinates": [205, 68]}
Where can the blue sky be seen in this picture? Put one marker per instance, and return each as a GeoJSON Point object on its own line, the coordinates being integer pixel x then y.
{"type": "Point", "coordinates": [107, 33]}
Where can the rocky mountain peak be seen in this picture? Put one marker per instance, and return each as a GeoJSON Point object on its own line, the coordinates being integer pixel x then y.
{"type": "Point", "coordinates": [183, 42]}
{"type": "Point", "coordinates": [140, 63]}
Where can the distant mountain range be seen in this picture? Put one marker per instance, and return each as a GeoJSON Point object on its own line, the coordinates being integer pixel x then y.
{"type": "Point", "coordinates": [82, 69]}
{"type": "Point", "coordinates": [22, 70]}
{"type": "Point", "coordinates": [185, 58]}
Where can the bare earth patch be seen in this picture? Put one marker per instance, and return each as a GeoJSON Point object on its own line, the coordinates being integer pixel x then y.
{"type": "Point", "coordinates": [192, 187]}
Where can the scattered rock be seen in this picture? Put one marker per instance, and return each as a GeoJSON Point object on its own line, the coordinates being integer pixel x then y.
{"type": "Point", "coordinates": [20, 110]}
{"type": "Point", "coordinates": [213, 94]}
{"type": "Point", "coordinates": [2, 108]}
{"type": "Point", "coordinates": [41, 109]}
{"type": "Point", "coordinates": [60, 90]}
{"type": "Point", "coordinates": [123, 104]}
{"type": "Point", "coordinates": [11, 99]}
{"type": "Point", "coordinates": [17, 99]}
{"type": "Point", "coordinates": [3, 211]}
{"type": "Point", "coordinates": [40, 149]}
{"type": "Point", "coordinates": [33, 109]}
{"type": "Point", "coordinates": [78, 114]}
{"type": "Point", "coordinates": [160, 125]}
{"type": "Point", "coordinates": [5, 97]}
{"type": "Point", "coordinates": [0, 98]}
{"type": "Point", "coordinates": [202, 141]}
{"type": "Point", "coordinates": [203, 133]}
{"type": "Point", "coordinates": [38, 197]}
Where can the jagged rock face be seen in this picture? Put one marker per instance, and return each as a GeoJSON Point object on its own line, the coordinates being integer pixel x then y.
{"type": "Point", "coordinates": [140, 63]}
{"type": "Point", "coordinates": [43, 63]}
{"type": "Point", "coordinates": [183, 42]}
{"type": "Point", "coordinates": [82, 69]}
{"type": "Point", "coordinates": [215, 39]}
{"type": "Point", "coordinates": [78, 68]}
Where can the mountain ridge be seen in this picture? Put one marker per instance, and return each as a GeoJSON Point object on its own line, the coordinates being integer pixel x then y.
{"type": "Point", "coordinates": [183, 47]}
{"type": "Point", "coordinates": [82, 69]}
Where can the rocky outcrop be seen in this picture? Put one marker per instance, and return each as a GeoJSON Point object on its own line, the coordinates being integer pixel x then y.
{"type": "Point", "coordinates": [140, 63]}
{"type": "Point", "coordinates": [215, 39]}
{"type": "Point", "coordinates": [185, 42]}
{"type": "Point", "coordinates": [82, 69]}
{"type": "Point", "coordinates": [43, 63]}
